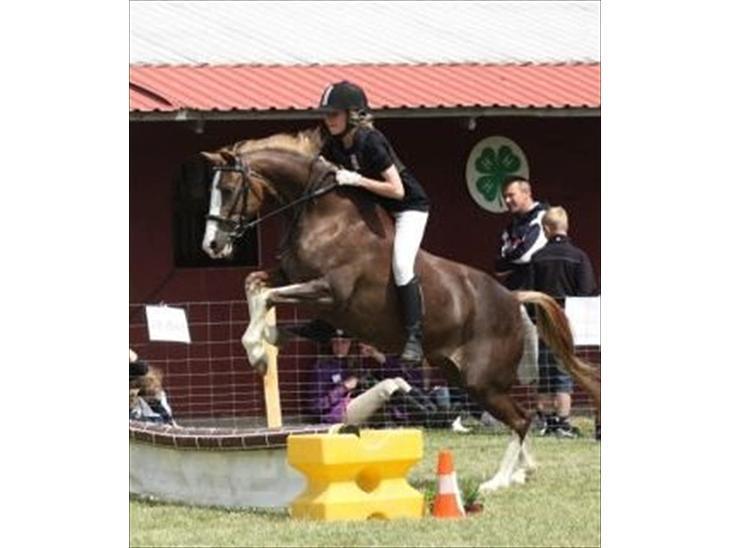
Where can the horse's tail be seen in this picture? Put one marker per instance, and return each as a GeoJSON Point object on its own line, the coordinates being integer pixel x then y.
{"type": "Point", "coordinates": [554, 329]}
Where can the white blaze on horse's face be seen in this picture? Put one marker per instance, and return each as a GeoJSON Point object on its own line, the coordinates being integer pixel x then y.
{"type": "Point", "coordinates": [216, 242]}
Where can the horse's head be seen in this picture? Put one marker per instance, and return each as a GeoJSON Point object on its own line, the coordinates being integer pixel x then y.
{"type": "Point", "coordinates": [236, 195]}
{"type": "Point", "coordinates": [285, 166]}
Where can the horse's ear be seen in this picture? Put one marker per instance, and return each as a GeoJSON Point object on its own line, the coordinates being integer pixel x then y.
{"type": "Point", "coordinates": [228, 158]}
{"type": "Point", "coordinates": [220, 158]}
{"type": "Point", "coordinates": [214, 158]}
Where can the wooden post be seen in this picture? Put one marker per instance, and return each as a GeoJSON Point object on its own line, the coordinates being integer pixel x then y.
{"type": "Point", "coordinates": [271, 379]}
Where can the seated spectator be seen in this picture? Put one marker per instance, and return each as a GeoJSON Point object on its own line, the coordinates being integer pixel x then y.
{"type": "Point", "coordinates": [147, 399]}
{"type": "Point", "coordinates": [423, 404]}
{"type": "Point", "coordinates": [449, 394]}
{"type": "Point", "coordinates": [339, 396]}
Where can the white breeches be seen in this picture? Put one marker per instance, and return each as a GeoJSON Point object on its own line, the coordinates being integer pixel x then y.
{"type": "Point", "coordinates": [409, 228]}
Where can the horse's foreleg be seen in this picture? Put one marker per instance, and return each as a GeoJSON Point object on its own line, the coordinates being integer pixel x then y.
{"type": "Point", "coordinates": [261, 298]}
{"type": "Point", "coordinates": [253, 338]}
{"type": "Point", "coordinates": [315, 292]}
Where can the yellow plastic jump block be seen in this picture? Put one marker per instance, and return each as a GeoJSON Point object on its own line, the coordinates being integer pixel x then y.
{"type": "Point", "coordinates": [356, 478]}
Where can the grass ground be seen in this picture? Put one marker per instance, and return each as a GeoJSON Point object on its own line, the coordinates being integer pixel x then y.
{"type": "Point", "coordinates": [559, 506]}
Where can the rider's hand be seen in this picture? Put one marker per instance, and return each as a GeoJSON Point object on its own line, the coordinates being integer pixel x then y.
{"type": "Point", "coordinates": [346, 177]}
{"type": "Point", "coordinates": [350, 383]}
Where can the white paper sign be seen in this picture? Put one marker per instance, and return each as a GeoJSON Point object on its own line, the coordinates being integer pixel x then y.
{"type": "Point", "coordinates": [167, 323]}
{"type": "Point", "coordinates": [584, 314]}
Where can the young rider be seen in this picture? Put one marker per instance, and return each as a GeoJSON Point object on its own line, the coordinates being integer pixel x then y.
{"type": "Point", "coordinates": [368, 161]}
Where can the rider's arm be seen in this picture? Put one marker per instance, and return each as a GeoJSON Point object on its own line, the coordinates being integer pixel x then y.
{"type": "Point", "coordinates": [391, 187]}
{"type": "Point", "coordinates": [379, 160]}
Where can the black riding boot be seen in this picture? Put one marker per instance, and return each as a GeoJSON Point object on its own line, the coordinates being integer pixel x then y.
{"type": "Point", "coordinates": [409, 296]}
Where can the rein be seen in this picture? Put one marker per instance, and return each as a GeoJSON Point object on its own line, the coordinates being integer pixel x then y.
{"type": "Point", "coordinates": [242, 227]}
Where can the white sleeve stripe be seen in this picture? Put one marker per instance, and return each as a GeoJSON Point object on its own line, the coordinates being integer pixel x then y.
{"type": "Point", "coordinates": [539, 242]}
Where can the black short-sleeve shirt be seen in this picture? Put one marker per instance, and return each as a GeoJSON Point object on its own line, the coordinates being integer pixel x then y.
{"type": "Point", "coordinates": [370, 155]}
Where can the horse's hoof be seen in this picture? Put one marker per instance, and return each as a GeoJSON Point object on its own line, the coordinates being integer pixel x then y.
{"type": "Point", "coordinates": [274, 336]}
{"type": "Point", "coordinates": [261, 368]}
{"type": "Point", "coordinates": [255, 283]}
{"type": "Point", "coordinates": [491, 486]}
{"type": "Point", "coordinates": [255, 351]}
{"type": "Point", "coordinates": [519, 477]}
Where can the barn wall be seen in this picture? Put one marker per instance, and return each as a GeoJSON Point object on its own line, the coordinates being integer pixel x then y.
{"type": "Point", "coordinates": [564, 157]}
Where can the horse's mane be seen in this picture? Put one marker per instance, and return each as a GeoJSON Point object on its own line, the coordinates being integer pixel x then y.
{"type": "Point", "coordinates": [307, 142]}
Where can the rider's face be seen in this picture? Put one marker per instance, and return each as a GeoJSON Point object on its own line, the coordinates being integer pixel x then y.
{"type": "Point", "coordinates": [336, 121]}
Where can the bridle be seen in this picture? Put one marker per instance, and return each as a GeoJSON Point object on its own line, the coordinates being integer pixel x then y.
{"type": "Point", "coordinates": [238, 227]}
{"type": "Point", "coordinates": [241, 192]}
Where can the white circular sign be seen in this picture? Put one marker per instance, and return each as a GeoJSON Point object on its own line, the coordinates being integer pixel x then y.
{"type": "Point", "coordinates": [491, 161]}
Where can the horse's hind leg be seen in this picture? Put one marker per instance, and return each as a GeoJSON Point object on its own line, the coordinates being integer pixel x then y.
{"type": "Point", "coordinates": [516, 462]}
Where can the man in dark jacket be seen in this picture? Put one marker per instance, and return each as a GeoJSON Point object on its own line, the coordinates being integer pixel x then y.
{"type": "Point", "coordinates": [561, 270]}
{"type": "Point", "coordinates": [523, 237]}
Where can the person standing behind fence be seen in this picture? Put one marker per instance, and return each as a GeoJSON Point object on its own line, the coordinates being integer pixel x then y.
{"type": "Point", "coordinates": [523, 237]}
{"type": "Point", "coordinates": [561, 270]}
{"type": "Point", "coordinates": [339, 395]}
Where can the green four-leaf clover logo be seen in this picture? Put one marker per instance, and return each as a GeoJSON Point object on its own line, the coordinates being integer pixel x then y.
{"type": "Point", "coordinates": [495, 166]}
{"type": "Point", "coordinates": [491, 161]}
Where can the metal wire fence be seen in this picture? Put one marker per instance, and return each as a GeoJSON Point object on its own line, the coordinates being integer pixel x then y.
{"type": "Point", "coordinates": [210, 382]}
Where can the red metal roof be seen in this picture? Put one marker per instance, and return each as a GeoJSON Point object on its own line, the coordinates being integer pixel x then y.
{"type": "Point", "coordinates": [249, 87]}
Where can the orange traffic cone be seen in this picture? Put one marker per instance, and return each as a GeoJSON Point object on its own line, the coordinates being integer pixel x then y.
{"type": "Point", "coordinates": [448, 502]}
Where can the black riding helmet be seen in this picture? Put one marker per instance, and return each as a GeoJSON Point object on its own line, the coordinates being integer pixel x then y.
{"type": "Point", "coordinates": [343, 96]}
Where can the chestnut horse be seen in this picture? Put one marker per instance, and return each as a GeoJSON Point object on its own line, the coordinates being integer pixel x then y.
{"type": "Point", "coordinates": [336, 259]}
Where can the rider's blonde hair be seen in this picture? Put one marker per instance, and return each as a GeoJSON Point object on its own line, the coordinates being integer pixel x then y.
{"type": "Point", "coordinates": [361, 118]}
